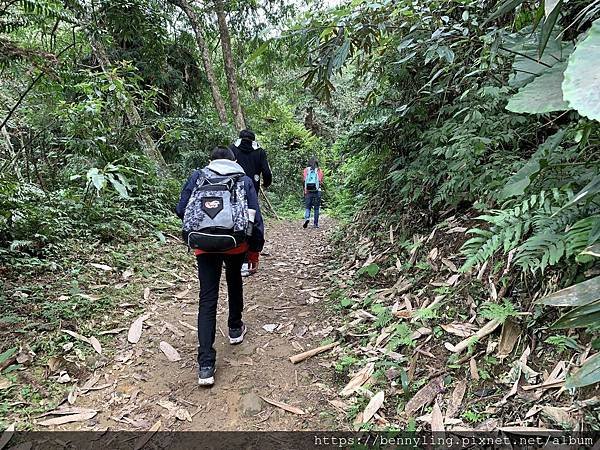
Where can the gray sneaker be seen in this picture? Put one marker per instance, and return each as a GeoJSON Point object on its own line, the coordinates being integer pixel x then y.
{"type": "Point", "coordinates": [206, 376]}
{"type": "Point", "coordinates": [236, 335]}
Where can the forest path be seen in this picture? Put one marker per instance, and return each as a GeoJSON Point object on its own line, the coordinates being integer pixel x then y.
{"type": "Point", "coordinates": [286, 293]}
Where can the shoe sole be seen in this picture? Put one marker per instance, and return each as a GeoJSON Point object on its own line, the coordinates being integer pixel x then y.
{"type": "Point", "coordinates": [238, 340]}
{"type": "Point", "coordinates": [206, 381]}
{"type": "Point", "coordinates": [305, 224]}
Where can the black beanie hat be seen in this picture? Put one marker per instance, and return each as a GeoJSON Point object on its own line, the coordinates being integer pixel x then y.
{"type": "Point", "coordinates": [247, 134]}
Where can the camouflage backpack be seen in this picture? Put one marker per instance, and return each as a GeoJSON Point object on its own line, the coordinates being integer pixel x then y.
{"type": "Point", "coordinates": [216, 216]}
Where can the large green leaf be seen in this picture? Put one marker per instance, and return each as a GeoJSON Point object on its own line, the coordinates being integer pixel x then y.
{"type": "Point", "coordinates": [581, 85]}
{"type": "Point", "coordinates": [579, 294]}
{"type": "Point", "coordinates": [581, 317]}
{"type": "Point", "coordinates": [542, 95]}
{"type": "Point", "coordinates": [587, 374]}
{"type": "Point", "coordinates": [527, 63]}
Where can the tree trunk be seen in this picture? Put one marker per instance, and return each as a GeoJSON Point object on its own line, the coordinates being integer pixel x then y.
{"type": "Point", "coordinates": [238, 116]}
{"type": "Point", "coordinates": [144, 139]}
{"type": "Point", "coordinates": [204, 52]}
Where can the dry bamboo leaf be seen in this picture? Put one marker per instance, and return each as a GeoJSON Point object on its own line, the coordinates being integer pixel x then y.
{"type": "Point", "coordinates": [183, 414]}
{"type": "Point", "coordinates": [559, 416]}
{"type": "Point", "coordinates": [283, 406]}
{"type": "Point", "coordinates": [508, 338]}
{"type": "Point", "coordinates": [171, 354]}
{"type": "Point", "coordinates": [135, 330]}
{"type": "Point", "coordinates": [460, 329]}
{"type": "Point", "coordinates": [66, 410]}
{"type": "Point", "coordinates": [101, 267]}
{"type": "Point", "coordinates": [5, 383]}
{"type": "Point", "coordinates": [437, 419]}
{"type": "Point", "coordinates": [96, 344]}
{"type": "Point", "coordinates": [449, 264]}
{"type": "Point", "coordinates": [182, 294]}
{"type": "Point", "coordinates": [146, 293]}
{"type": "Point", "coordinates": [473, 369]}
{"type": "Point", "coordinates": [89, 383]}
{"type": "Point", "coordinates": [146, 437]}
{"type": "Point", "coordinates": [425, 395]}
{"type": "Point", "coordinates": [423, 331]}
{"type": "Point", "coordinates": [112, 331]}
{"type": "Point", "coordinates": [187, 325]}
{"type": "Point", "coordinates": [7, 435]}
{"type": "Point", "coordinates": [77, 336]}
{"type": "Point", "coordinates": [456, 400]}
{"type": "Point", "coordinates": [81, 417]}
{"type": "Point", "coordinates": [358, 380]}
{"type": "Point", "coordinates": [374, 404]}
{"type": "Point", "coordinates": [72, 397]}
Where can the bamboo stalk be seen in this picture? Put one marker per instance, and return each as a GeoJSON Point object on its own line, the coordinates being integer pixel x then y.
{"type": "Point", "coordinates": [310, 353]}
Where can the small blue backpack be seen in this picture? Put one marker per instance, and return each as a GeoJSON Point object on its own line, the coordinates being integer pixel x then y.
{"type": "Point", "coordinates": [311, 183]}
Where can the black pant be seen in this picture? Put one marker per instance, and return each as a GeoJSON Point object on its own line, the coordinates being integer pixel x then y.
{"type": "Point", "coordinates": [210, 266]}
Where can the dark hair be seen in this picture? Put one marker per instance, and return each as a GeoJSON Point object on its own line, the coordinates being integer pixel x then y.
{"type": "Point", "coordinates": [247, 134]}
{"type": "Point", "coordinates": [313, 163]}
{"type": "Point", "coordinates": [221, 153]}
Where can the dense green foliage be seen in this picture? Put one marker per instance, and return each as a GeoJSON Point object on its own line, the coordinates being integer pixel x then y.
{"type": "Point", "coordinates": [468, 116]}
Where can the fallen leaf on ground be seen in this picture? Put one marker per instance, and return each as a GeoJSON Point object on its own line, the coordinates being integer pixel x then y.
{"type": "Point", "coordinates": [146, 293]}
{"type": "Point", "coordinates": [72, 397]}
{"type": "Point", "coordinates": [5, 383]}
{"type": "Point", "coordinates": [182, 294]}
{"type": "Point", "coordinates": [373, 406]}
{"type": "Point", "coordinates": [146, 437]}
{"type": "Point", "coordinates": [183, 414]}
{"type": "Point", "coordinates": [167, 404]}
{"type": "Point", "coordinates": [473, 369]}
{"type": "Point", "coordinates": [81, 417]}
{"type": "Point", "coordinates": [437, 419]}
{"type": "Point", "coordinates": [559, 416]}
{"type": "Point", "coordinates": [422, 331]}
{"type": "Point", "coordinates": [54, 363]}
{"type": "Point", "coordinates": [358, 380]}
{"type": "Point", "coordinates": [135, 330]}
{"type": "Point", "coordinates": [508, 338]}
{"type": "Point", "coordinates": [96, 344]}
{"type": "Point", "coordinates": [101, 267]}
{"type": "Point", "coordinates": [425, 395]}
{"type": "Point", "coordinates": [460, 329]}
{"type": "Point", "coordinates": [112, 331]}
{"type": "Point", "coordinates": [456, 400]}
{"type": "Point", "coordinates": [283, 406]}
{"type": "Point", "coordinates": [66, 410]}
{"type": "Point", "coordinates": [171, 354]}
{"type": "Point", "coordinates": [270, 327]}
{"type": "Point", "coordinates": [188, 326]}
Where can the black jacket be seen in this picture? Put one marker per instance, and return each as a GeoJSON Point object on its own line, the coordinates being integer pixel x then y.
{"type": "Point", "coordinates": [254, 162]}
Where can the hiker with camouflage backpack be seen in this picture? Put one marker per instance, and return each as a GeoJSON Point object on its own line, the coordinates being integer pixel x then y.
{"type": "Point", "coordinates": [221, 223]}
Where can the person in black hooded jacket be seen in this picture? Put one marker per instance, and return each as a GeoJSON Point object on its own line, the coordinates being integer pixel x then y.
{"type": "Point", "coordinates": [253, 159]}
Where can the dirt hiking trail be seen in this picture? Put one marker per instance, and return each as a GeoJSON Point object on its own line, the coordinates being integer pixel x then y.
{"type": "Point", "coordinates": [137, 385]}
